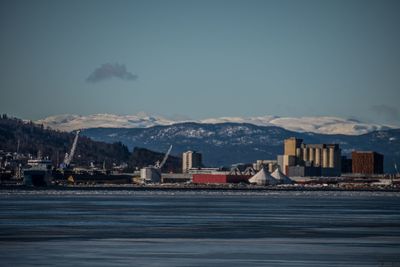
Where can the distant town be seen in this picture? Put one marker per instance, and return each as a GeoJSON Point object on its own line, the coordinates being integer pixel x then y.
{"type": "Point", "coordinates": [301, 166]}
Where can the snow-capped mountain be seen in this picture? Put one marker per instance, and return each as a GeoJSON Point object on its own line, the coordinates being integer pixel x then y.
{"type": "Point", "coordinates": [227, 143]}
{"type": "Point", "coordinates": [227, 140]}
{"type": "Point", "coordinates": [67, 122]}
{"type": "Point", "coordinates": [321, 125]}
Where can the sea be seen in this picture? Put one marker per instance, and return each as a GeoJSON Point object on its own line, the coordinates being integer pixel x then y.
{"type": "Point", "coordinates": [199, 228]}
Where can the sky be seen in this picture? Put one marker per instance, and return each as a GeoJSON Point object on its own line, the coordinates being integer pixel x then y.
{"type": "Point", "coordinates": [201, 59]}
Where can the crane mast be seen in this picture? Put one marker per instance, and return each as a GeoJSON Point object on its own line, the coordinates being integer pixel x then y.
{"type": "Point", "coordinates": [159, 165]}
{"type": "Point", "coordinates": [68, 157]}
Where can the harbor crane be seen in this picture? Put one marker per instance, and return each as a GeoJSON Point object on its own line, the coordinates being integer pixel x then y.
{"type": "Point", "coordinates": [159, 165]}
{"type": "Point", "coordinates": [68, 157]}
{"type": "Point", "coordinates": [152, 174]}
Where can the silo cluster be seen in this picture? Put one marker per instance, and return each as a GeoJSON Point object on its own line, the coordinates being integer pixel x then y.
{"type": "Point", "coordinates": [325, 157]}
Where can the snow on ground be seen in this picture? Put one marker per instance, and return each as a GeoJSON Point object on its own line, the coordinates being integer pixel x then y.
{"type": "Point", "coordinates": [322, 125]}
{"type": "Point", "coordinates": [74, 122]}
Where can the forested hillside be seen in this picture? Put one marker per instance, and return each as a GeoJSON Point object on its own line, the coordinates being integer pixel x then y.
{"type": "Point", "coordinates": [30, 138]}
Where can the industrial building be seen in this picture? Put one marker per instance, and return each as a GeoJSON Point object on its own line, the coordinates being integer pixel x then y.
{"type": "Point", "coordinates": [176, 177]}
{"type": "Point", "coordinates": [304, 171]}
{"type": "Point", "coordinates": [305, 159]}
{"type": "Point", "coordinates": [367, 162]}
{"type": "Point", "coordinates": [191, 160]}
{"type": "Point", "coordinates": [150, 174]}
{"type": "Point", "coordinates": [205, 178]}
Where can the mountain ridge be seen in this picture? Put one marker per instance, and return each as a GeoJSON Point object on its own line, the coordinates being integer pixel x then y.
{"type": "Point", "coordinates": [227, 143]}
{"type": "Point", "coordinates": [316, 124]}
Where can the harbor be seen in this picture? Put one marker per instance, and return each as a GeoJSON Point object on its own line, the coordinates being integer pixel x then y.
{"type": "Point", "coordinates": [300, 168]}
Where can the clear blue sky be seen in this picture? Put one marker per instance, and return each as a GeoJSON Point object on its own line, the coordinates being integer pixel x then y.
{"type": "Point", "coordinates": [201, 58]}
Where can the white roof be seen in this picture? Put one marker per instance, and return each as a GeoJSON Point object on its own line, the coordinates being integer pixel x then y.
{"type": "Point", "coordinates": [282, 178]}
{"type": "Point", "coordinates": [263, 178]}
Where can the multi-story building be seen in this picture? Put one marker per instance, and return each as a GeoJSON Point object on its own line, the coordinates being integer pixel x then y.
{"type": "Point", "coordinates": [190, 160]}
{"type": "Point", "coordinates": [291, 146]}
{"type": "Point", "coordinates": [367, 162]}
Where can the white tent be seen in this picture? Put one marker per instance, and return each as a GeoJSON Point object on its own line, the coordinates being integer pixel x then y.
{"type": "Point", "coordinates": [263, 178]}
{"type": "Point", "coordinates": [282, 178]}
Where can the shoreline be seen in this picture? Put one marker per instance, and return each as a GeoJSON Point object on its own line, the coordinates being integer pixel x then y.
{"type": "Point", "coordinates": [195, 188]}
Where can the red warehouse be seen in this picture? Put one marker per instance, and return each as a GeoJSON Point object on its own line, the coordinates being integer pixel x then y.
{"type": "Point", "coordinates": [220, 178]}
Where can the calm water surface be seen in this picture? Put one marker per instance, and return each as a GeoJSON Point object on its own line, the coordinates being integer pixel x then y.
{"type": "Point", "coordinates": [119, 228]}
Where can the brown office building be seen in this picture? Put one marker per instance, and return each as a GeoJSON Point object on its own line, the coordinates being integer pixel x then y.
{"type": "Point", "coordinates": [367, 162]}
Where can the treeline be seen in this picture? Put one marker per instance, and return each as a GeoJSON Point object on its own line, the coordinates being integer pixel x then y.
{"type": "Point", "coordinates": [30, 138]}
